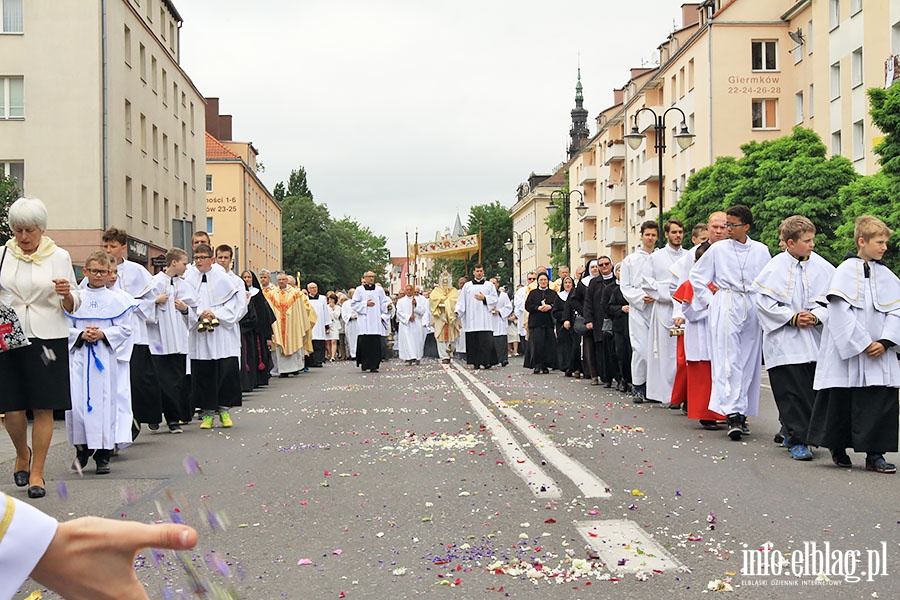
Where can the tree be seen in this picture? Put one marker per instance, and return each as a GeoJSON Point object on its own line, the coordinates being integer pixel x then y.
{"type": "Point", "coordinates": [278, 193]}
{"type": "Point", "coordinates": [495, 222]}
{"type": "Point", "coordinates": [885, 111]}
{"type": "Point", "coordinates": [297, 185]}
{"type": "Point", "coordinates": [356, 250]}
{"type": "Point", "coordinates": [9, 193]}
{"type": "Point", "coordinates": [557, 224]}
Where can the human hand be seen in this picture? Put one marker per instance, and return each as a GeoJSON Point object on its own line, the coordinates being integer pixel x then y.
{"type": "Point", "coordinates": [61, 287]}
{"type": "Point", "coordinates": [370, 303]}
{"type": "Point", "coordinates": [678, 321]}
{"type": "Point", "coordinates": [479, 296]}
{"type": "Point", "coordinates": [567, 324]}
{"type": "Point", "coordinates": [626, 308]}
{"type": "Point", "coordinates": [69, 566]}
{"type": "Point", "coordinates": [207, 314]}
{"type": "Point", "coordinates": [806, 319]}
{"type": "Point", "coordinates": [875, 349]}
{"type": "Point", "coordinates": [589, 325]}
{"type": "Point", "coordinates": [162, 298]}
{"type": "Point", "coordinates": [649, 300]}
{"type": "Point", "coordinates": [180, 305]}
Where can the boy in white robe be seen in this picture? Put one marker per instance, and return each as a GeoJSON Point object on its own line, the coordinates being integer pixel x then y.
{"type": "Point", "coordinates": [412, 312]}
{"type": "Point", "coordinates": [98, 330]}
{"type": "Point", "coordinates": [857, 374]}
{"type": "Point", "coordinates": [657, 281]}
{"type": "Point", "coordinates": [351, 327]}
{"type": "Point", "coordinates": [477, 299]}
{"type": "Point", "coordinates": [214, 340]}
{"type": "Point", "coordinates": [732, 265]}
{"type": "Point", "coordinates": [500, 316]}
{"type": "Point", "coordinates": [639, 307]}
{"type": "Point", "coordinates": [320, 330]}
{"type": "Point", "coordinates": [787, 294]}
{"type": "Point", "coordinates": [168, 334]}
{"type": "Point", "coordinates": [370, 304]}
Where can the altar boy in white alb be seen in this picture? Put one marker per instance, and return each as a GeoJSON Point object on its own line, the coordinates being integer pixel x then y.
{"type": "Point", "coordinates": [477, 299]}
{"type": "Point", "coordinates": [214, 339]}
{"type": "Point", "coordinates": [412, 316]}
{"type": "Point", "coordinates": [732, 265]}
{"type": "Point", "coordinates": [320, 330]}
{"type": "Point", "coordinates": [98, 330]}
{"type": "Point", "coordinates": [370, 304]}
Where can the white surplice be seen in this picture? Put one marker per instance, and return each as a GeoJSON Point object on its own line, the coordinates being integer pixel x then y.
{"type": "Point", "coordinates": [476, 314]}
{"type": "Point", "coordinates": [736, 337]}
{"type": "Point", "coordinates": [323, 316]}
{"type": "Point", "coordinates": [861, 310]}
{"type": "Point", "coordinates": [784, 288]}
{"type": "Point", "coordinates": [696, 326]}
{"type": "Point", "coordinates": [351, 327]}
{"type": "Point", "coordinates": [24, 538]}
{"type": "Point", "coordinates": [631, 281]}
{"type": "Point", "coordinates": [656, 282]}
{"type": "Point", "coordinates": [137, 282]}
{"type": "Point", "coordinates": [411, 333]}
{"type": "Point", "coordinates": [519, 310]}
{"type": "Point", "coordinates": [501, 314]}
{"type": "Point", "coordinates": [93, 369]}
{"type": "Point", "coordinates": [168, 332]}
{"type": "Point", "coordinates": [369, 318]}
{"type": "Point", "coordinates": [222, 295]}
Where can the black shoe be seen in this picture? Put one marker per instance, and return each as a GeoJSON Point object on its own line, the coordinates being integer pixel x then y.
{"type": "Point", "coordinates": [675, 406]}
{"type": "Point", "coordinates": [487, 366]}
{"type": "Point", "coordinates": [607, 385]}
{"type": "Point", "coordinates": [545, 371]}
{"type": "Point", "coordinates": [709, 425]}
{"type": "Point", "coordinates": [82, 454]}
{"type": "Point", "coordinates": [21, 477]}
{"type": "Point", "coordinates": [102, 464]}
{"type": "Point", "coordinates": [537, 371]}
{"type": "Point", "coordinates": [37, 491]}
{"type": "Point", "coordinates": [135, 429]}
{"type": "Point", "coordinates": [735, 431]}
{"type": "Point", "coordinates": [778, 439]}
{"type": "Point", "coordinates": [840, 458]}
{"type": "Point", "coordinates": [153, 426]}
{"type": "Point", "coordinates": [504, 363]}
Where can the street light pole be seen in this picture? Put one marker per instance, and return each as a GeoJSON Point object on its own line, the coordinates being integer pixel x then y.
{"type": "Point", "coordinates": [684, 138]}
{"type": "Point", "coordinates": [581, 208]}
{"type": "Point", "coordinates": [508, 244]}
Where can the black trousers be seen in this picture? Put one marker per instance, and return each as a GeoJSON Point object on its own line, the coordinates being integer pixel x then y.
{"type": "Point", "coordinates": [792, 386]}
{"type": "Point", "coordinates": [317, 358]}
{"type": "Point", "coordinates": [500, 348]}
{"type": "Point", "coordinates": [368, 352]}
{"type": "Point", "coordinates": [174, 391]}
{"type": "Point", "coordinates": [480, 348]}
{"type": "Point", "coordinates": [146, 398]}
{"type": "Point", "coordinates": [216, 383]}
{"type": "Point", "coordinates": [864, 419]}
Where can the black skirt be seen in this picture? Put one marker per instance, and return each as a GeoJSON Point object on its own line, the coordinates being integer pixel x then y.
{"type": "Point", "coordinates": [32, 381]}
{"type": "Point", "coordinates": [368, 351]}
{"type": "Point", "coordinates": [864, 419]}
{"type": "Point", "coordinates": [480, 349]}
{"type": "Point", "coordinates": [542, 348]}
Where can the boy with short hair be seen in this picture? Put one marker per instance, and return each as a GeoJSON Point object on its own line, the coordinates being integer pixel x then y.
{"type": "Point", "coordinates": [168, 333]}
{"type": "Point", "coordinates": [98, 331]}
{"type": "Point", "coordinates": [787, 294]}
{"type": "Point", "coordinates": [857, 375]}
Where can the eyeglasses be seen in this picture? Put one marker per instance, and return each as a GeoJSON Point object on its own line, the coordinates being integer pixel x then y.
{"type": "Point", "coordinates": [199, 257]}
{"type": "Point", "coordinates": [531, 279]}
{"type": "Point", "coordinates": [98, 272]}
{"type": "Point", "coordinates": [733, 225]}
{"type": "Point", "coordinates": [604, 264]}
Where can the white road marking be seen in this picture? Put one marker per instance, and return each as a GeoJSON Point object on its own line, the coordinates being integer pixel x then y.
{"type": "Point", "coordinates": [619, 539]}
{"type": "Point", "coordinates": [590, 485]}
{"type": "Point", "coordinates": [538, 481]}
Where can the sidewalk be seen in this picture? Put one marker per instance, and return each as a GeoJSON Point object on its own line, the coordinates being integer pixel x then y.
{"type": "Point", "coordinates": [8, 452]}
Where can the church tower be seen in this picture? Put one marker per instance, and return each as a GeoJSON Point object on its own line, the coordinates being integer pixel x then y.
{"type": "Point", "coordinates": [578, 132]}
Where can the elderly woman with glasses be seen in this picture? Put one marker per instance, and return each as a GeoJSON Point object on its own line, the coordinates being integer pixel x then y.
{"type": "Point", "coordinates": [37, 280]}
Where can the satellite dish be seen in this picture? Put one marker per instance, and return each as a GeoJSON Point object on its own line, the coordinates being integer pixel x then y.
{"type": "Point", "coordinates": [796, 36]}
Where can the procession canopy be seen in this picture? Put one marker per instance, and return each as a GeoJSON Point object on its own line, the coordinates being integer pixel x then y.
{"type": "Point", "coordinates": [460, 248]}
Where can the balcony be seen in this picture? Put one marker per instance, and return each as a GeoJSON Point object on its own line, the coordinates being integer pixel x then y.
{"type": "Point", "coordinates": [603, 172]}
{"type": "Point", "coordinates": [615, 194]}
{"type": "Point", "coordinates": [648, 171]}
{"type": "Point", "coordinates": [615, 152]}
{"type": "Point", "coordinates": [588, 249]}
{"type": "Point", "coordinates": [645, 119]}
{"type": "Point", "coordinates": [590, 213]}
{"type": "Point", "coordinates": [615, 236]}
{"type": "Point", "coordinates": [588, 173]}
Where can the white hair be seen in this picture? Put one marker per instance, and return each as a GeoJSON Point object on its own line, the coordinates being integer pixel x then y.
{"type": "Point", "coordinates": [26, 212]}
{"type": "Point", "coordinates": [264, 271]}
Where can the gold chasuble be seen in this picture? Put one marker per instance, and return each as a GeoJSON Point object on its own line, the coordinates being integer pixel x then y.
{"type": "Point", "coordinates": [443, 303]}
{"type": "Point", "coordinates": [293, 325]}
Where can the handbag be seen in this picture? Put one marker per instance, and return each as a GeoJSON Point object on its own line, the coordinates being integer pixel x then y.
{"type": "Point", "coordinates": [11, 334]}
{"type": "Point", "coordinates": [579, 325]}
{"type": "Point", "coordinates": [607, 327]}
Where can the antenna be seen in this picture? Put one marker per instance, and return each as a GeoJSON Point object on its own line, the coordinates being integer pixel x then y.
{"type": "Point", "coordinates": [797, 37]}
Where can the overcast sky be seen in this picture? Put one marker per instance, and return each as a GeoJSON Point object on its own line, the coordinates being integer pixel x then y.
{"type": "Point", "coordinates": [405, 112]}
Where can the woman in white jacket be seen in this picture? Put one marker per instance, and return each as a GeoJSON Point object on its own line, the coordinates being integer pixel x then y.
{"type": "Point", "coordinates": [37, 280]}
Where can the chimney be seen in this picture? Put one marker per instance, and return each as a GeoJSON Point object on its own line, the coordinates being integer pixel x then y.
{"type": "Point", "coordinates": [690, 14]}
{"type": "Point", "coordinates": [618, 96]}
{"type": "Point", "coordinates": [212, 116]}
{"type": "Point", "coordinates": [224, 128]}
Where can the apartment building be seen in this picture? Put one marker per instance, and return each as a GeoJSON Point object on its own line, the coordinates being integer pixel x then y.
{"type": "Point", "coordinates": [531, 241]}
{"type": "Point", "coordinates": [99, 120]}
{"type": "Point", "coordinates": [240, 210]}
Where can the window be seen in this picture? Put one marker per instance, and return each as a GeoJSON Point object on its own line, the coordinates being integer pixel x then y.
{"type": "Point", "coordinates": [127, 46]}
{"type": "Point", "coordinates": [142, 56]}
{"type": "Point", "coordinates": [144, 132]}
{"type": "Point", "coordinates": [162, 23]}
{"type": "Point", "coordinates": [798, 108]}
{"type": "Point", "coordinates": [15, 169]}
{"type": "Point", "coordinates": [209, 225]}
{"type": "Point", "coordinates": [811, 101]}
{"type": "Point", "coordinates": [155, 144]}
{"type": "Point", "coordinates": [859, 141]}
{"type": "Point", "coordinates": [11, 20]}
{"type": "Point", "coordinates": [895, 38]}
{"type": "Point", "coordinates": [809, 37]}
{"type": "Point", "coordinates": [177, 162]}
{"type": "Point", "coordinates": [175, 97]}
{"type": "Point", "coordinates": [855, 7]}
{"type": "Point", "coordinates": [193, 174]}
{"type": "Point", "coordinates": [681, 83]}
{"type": "Point", "coordinates": [153, 80]}
{"type": "Point", "coordinates": [690, 74]}
{"type": "Point", "coordinates": [209, 183]}
{"type": "Point", "coordinates": [150, 10]}
{"type": "Point", "coordinates": [834, 13]}
{"type": "Point", "coordinates": [836, 81]}
{"type": "Point", "coordinates": [192, 116]}
{"type": "Point", "coordinates": [856, 67]}
{"type": "Point", "coordinates": [764, 55]}
{"type": "Point", "coordinates": [12, 97]}
{"type": "Point", "coordinates": [172, 37]}
{"type": "Point", "coordinates": [765, 113]}
{"type": "Point", "coordinates": [156, 210]}
{"type": "Point", "coordinates": [836, 143]}
{"type": "Point", "coordinates": [166, 218]}
{"type": "Point", "coordinates": [144, 203]}
{"type": "Point", "coordinates": [165, 148]}
{"type": "Point", "coordinates": [165, 88]}
{"type": "Point", "coordinates": [129, 201]}
{"type": "Point", "coordinates": [128, 120]}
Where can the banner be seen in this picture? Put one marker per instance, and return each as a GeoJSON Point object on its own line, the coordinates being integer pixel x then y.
{"type": "Point", "coordinates": [455, 249]}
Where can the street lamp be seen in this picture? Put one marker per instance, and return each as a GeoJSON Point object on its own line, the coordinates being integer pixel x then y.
{"type": "Point", "coordinates": [684, 138]}
{"type": "Point", "coordinates": [508, 244]}
{"type": "Point", "coordinates": [580, 208]}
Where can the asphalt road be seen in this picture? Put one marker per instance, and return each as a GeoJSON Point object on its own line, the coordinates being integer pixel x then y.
{"type": "Point", "coordinates": [418, 482]}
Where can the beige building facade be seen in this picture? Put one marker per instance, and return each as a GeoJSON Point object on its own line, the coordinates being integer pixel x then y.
{"type": "Point", "coordinates": [738, 70]}
{"type": "Point", "coordinates": [99, 120]}
{"type": "Point", "coordinates": [531, 240]}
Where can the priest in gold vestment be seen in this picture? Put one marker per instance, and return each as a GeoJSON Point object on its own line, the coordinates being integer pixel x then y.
{"type": "Point", "coordinates": [292, 330]}
{"type": "Point", "coordinates": [442, 302]}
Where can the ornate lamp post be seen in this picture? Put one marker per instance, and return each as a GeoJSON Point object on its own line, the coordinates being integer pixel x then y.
{"type": "Point", "coordinates": [580, 208]}
{"type": "Point", "coordinates": [508, 244]}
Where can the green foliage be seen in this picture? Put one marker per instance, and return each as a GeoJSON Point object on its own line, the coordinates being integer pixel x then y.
{"type": "Point", "coordinates": [279, 193]}
{"type": "Point", "coordinates": [885, 110]}
{"type": "Point", "coordinates": [872, 195]}
{"type": "Point", "coordinates": [776, 179]}
{"type": "Point", "coordinates": [496, 225]}
{"type": "Point", "coordinates": [9, 193]}
{"type": "Point", "coordinates": [557, 223]}
{"type": "Point", "coordinates": [333, 253]}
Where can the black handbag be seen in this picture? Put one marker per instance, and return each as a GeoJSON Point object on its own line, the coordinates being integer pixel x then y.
{"type": "Point", "coordinates": [11, 334]}
{"type": "Point", "coordinates": [579, 325]}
